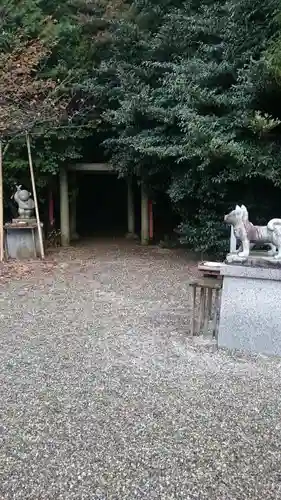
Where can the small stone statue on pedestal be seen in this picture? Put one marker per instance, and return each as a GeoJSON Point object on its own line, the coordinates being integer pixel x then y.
{"type": "Point", "coordinates": [25, 203]}
{"type": "Point", "coordinates": [250, 235]}
{"type": "Point", "coordinates": [22, 239]}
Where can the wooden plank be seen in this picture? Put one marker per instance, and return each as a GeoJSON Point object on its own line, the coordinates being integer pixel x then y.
{"type": "Point", "coordinates": [210, 267]}
{"type": "Point", "coordinates": [10, 225]}
{"type": "Point", "coordinates": [216, 316]}
{"type": "Point", "coordinates": [193, 318]}
{"type": "Point", "coordinates": [202, 309]}
{"type": "Point", "coordinates": [206, 283]}
{"type": "Point", "coordinates": [208, 309]}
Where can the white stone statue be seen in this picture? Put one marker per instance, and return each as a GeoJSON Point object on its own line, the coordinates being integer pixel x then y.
{"type": "Point", "coordinates": [25, 203]}
{"type": "Point", "coordinates": [250, 235]}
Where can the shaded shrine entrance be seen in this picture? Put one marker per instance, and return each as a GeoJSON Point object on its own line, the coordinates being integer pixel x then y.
{"type": "Point", "coordinates": [101, 204]}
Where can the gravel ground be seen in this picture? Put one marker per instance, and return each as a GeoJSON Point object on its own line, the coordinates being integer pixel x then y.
{"type": "Point", "coordinates": [104, 396]}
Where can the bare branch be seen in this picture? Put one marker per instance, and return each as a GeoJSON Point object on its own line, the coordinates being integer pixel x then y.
{"type": "Point", "coordinates": [26, 99]}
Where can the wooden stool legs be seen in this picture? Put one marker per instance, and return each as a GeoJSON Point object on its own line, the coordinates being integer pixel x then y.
{"type": "Point", "coordinates": [209, 303]}
{"type": "Point", "coordinates": [216, 315]}
{"type": "Point", "coordinates": [202, 309]}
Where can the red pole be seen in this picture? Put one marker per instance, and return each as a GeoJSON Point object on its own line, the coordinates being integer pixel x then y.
{"type": "Point", "coordinates": [150, 211]}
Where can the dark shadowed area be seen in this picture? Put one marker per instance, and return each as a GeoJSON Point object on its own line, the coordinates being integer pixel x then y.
{"type": "Point", "coordinates": [101, 204]}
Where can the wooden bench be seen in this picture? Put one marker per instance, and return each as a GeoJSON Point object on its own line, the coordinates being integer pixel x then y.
{"type": "Point", "coordinates": [209, 303]}
{"type": "Point", "coordinates": [210, 269]}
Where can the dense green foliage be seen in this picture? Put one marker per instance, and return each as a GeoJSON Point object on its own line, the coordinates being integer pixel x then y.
{"type": "Point", "coordinates": [73, 50]}
{"type": "Point", "coordinates": [194, 107]}
{"type": "Point", "coordinates": [186, 93]}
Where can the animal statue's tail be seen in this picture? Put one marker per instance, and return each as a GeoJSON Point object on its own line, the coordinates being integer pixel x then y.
{"type": "Point", "coordinates": [274, 224]}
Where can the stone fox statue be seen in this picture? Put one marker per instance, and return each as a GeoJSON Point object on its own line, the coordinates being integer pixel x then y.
{"type": "Point", "coordinates": [250, 235]}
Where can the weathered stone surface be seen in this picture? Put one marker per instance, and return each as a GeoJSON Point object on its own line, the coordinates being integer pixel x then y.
{"type": "Point", "coordinates": [257, 259]}
{"type": "Point", "coordinates": [25, 203]}
{"type": "Point", "coordinates": [250, 317]}
{"type": "Point", "coordinates": [19, 241]}
{"type": "Point", "coordinates": [269, 272]}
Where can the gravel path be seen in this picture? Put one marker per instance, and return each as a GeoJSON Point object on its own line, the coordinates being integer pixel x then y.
{"type": "Point", "coordinates": [103, 395]}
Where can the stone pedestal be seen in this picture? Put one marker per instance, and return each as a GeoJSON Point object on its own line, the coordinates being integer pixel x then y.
{"type": "Point", "coordinates": [21, 239]}
{"type": "Point", "coordinates": [131, 236]}
{"type": "Point", "coordinates": [250, 315]}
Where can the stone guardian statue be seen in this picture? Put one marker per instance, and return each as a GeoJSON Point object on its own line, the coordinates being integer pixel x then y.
{"type": "Point", "coordinates": [250, 235]}
{"type": "Point", "coordinates": [25, 203]}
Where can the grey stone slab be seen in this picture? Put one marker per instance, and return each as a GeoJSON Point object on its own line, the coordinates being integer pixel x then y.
{"type": "Point", "coordinates": [19, 243]}
{"type": "Point", "coordinates": [250, 316]}
{"type": "Point", "coordinates": [255, 259]}
{"type": "Point", "coordinates": [251, 272]}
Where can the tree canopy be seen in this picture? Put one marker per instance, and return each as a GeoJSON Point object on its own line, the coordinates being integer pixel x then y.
{"type": "Point", "coordinates": [193, 106]}
{"type": "Point", "coordinates": [183, 94]}
{"type": "Point", "coordinates": [46, 50]}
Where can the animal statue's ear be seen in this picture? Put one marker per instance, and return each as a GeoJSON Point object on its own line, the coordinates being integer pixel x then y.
{"type": "Point", "coordinates": [238, 210]}
{"type": "Point", "coordinates": [245, 214]}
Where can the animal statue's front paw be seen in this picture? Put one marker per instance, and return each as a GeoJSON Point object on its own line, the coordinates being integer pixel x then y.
{"type": "Point", "coordinates": [243, 254]}
{"type": "Point", "coordinates": [238, 250]}
{"type": "Point", "coordinates": [271, 253]}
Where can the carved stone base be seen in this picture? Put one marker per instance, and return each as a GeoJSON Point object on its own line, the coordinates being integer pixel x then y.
{"type": "Point", "coordinates": [234, 257]}
{"type": "Point", "coordinates": [132, 236]}
{"type": "Point", "coordinates": [255, 259]}
{"type": "Point", "coordinates": [250, 316]}
{"type": "Point", "coordinates": [22, 239]}
{"type": "Point", "coordinates": [22, 221]}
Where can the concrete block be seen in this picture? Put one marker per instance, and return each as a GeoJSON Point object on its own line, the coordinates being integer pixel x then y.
{"type": "Point", "coordinates": [250, 315]}
{"type": "Point", "coordinates": [19, 242]}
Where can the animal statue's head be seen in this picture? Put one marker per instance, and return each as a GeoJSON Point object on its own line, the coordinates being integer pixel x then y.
{"type": "Point", "coordinates": [24, 195]}
{"type": "Point", "coordinates": [21, 194]}
{"type": "Point", "coordinates": [245, 213]}
{"type": "Point", "coordinates": [236, 216]}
